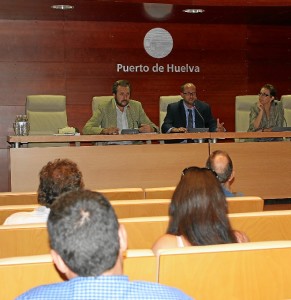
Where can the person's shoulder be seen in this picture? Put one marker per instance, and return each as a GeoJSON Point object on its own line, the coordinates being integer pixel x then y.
{"type": "Point", "coordinates": [18, 218]}
{"type": "Point", "coordinates": [175, 105]}
{"type": "Point", "coordinates": [164, 242]}
{"type": "Point", "coordinates": [278, 103]}
{"type": "Point", "coordinates": [106, 103]}
{"type": "Point", "coordinates": [45, 292]}
{"type": "Point", "coordinates": [227, 193]}
{"type": "Point", "coordinates": [135, 104]}
{"type": "Point", "coordinates": [254, 106]}
{"type": "Point", "coordinates": [38, 215]}
{"type": "Point", "coordinates": [152, 290]}
{"type": "Point", "coordinates": [201, 104]}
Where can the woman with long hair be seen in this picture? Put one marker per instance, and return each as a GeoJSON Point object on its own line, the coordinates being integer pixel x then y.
{"type": "Point", "coordinates": [198, 213]}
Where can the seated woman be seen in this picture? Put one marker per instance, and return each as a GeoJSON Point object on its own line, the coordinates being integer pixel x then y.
{"type": "Point", "coordinates": [198, 213]}
{"type": "Point", "coordinates": [267, 112]}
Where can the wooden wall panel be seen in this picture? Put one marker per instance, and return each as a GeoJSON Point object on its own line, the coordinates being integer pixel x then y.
{"type": "Point", "coordinates": [4, 170]}
{"type": "Point", "coordinates": [269, 58]}
{"type": "Point", "coordinates": [78, 59]}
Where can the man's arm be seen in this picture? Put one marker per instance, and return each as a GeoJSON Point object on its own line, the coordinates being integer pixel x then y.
{"type": "Point", "coordinates": [169, 120]}
{"type": "Point", "coordinates": [143, 120]}
{"type": "Point", "coordinates": [93, 124]}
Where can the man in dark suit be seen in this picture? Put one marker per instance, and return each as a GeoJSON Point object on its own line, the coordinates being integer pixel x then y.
{"type": "Point", "coordinates": [188, 113]}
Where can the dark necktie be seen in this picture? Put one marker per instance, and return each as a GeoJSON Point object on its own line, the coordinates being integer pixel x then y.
{"type": "Point", "coordinates": [190, 119]}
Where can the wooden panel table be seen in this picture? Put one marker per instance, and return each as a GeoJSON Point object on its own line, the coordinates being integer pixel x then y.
{"type": "Point", "coordinates": [111, 166]}
{"type": "Point", "coordinates": [262, 169]}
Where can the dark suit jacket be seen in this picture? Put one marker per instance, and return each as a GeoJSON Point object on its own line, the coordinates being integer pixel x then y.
{"type": "Point", "coordinates": [176, 116]}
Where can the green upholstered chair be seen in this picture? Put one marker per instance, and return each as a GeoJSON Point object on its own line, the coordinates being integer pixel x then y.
{"type": "Point", "coordinates": [46, 114]}
{"type": "Point", "coordinates": [242, 112]}
{"type": "Point", "coordinates": [99, 99]}
{"type": "Point", "coordinates": [286, 101]}
{"type": "Point", "coordinates": [164, 101]}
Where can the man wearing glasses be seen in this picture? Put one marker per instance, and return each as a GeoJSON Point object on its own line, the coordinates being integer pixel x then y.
{"type": "Point", "coordinates": [267, 112]}
{"type": "Point", "coordinates": [189, 113]}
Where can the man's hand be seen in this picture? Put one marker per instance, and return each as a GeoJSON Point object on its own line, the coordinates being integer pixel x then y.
{"type": "Point", "coordinates": [111, 130]}
{"type": "Point", "coordinates": [219, 126]}
{"type": "Point", "coordinates": [179, 130]}
{"type": "Point", "coordinates": [145, 128]}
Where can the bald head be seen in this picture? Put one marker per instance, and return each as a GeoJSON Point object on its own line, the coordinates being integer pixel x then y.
{"type": "Point", "coordinates": [187, 85]}
{"type": "Point", "coordinates": [220, 162]}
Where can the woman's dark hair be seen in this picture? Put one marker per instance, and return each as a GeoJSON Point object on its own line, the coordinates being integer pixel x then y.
{"type": "Point", "coordinates": [271, 88]}
{"type": "Point", "coordinates": [198, 209]}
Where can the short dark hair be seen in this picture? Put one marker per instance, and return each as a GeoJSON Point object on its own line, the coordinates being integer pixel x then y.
{"type": "Point", "coordinates": [182, 87]}
{"type": "Point", "coordinates": [124, 83]}
{"type": "Point", "coordinates": [57, 177]}
{"type": "Point", "coordinates": [198, 209]}
{"type": "Point", "coordinates": [271, 88]}
{"type": "Point", "coordinates": [224, 174]}
{"type": "Point", "coordinates": [83, 230]}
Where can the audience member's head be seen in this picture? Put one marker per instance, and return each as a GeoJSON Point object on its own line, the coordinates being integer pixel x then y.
{"type": "Point", "coordinates": [198, 210]}
{"type": "Point", "coordinates": [220, 162]}
{"type": "Point", "coordinates": [85, 234]}
{"type": "Point", "coordinates": [57, 177]}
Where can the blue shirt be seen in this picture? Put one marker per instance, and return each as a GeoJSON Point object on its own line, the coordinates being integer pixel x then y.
{"type": "Point", "coordinates": [187, 115]}
{"type": "Point", "coordinates": [227, 193]}
{"type": "Point", "coordinates": [103, 288]}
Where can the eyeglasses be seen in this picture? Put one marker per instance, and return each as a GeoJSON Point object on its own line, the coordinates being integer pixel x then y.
{"type": "Point", "coordinates": [189, 94]}
{"type": "Point", "coordinates": [197, 168]}
{"type": "Point", "coordinates": [264, 95]}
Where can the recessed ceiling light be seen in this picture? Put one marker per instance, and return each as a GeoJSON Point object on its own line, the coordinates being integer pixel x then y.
{"type": "Point", "coordinates": [194, 10]}
{"type": "Point", "coordinates": [62, 7]}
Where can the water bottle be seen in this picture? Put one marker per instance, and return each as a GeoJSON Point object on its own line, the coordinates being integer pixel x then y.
{"type": "Point", "coordinates": [21, 125]}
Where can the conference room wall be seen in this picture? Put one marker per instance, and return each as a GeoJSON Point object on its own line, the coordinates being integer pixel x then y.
{"type": "Point", "coordinates": [78, 59]}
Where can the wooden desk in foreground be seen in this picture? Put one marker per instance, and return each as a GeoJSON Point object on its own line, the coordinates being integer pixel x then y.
{"type": "Point", "coordinates": [262, 169]}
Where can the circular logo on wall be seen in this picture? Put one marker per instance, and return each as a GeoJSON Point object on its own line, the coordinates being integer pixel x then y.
{"type": "Point", "coordinates": [158, 43]}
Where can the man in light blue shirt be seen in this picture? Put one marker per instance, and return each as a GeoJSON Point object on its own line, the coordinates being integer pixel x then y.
{"type": "Point", "coordinates": [87, 246]}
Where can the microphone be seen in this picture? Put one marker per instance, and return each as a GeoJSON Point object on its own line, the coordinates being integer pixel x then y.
{"type": "Point", "coordinates": [132, 130]}
{"type": "Point", "coordinates": [198, 112]}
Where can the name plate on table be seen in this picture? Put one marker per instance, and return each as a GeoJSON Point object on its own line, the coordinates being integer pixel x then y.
{"type": "Point", "coordinates": [197, 129]}
{"type": "Point", "coordinates": [129, 131]}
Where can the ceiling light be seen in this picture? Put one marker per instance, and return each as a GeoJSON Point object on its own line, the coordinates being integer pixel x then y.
{"type": "Point", "coordinates": [62, 7]}
{"type": "Point", "coordinates": [194, 11]}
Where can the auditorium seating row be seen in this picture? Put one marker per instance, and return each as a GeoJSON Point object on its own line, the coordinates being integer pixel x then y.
{"type": "Point", "coordinates": [32, 239]}
{"type": "Point", "coordinates": [11, 198]}
{"type": "Point", "coordinates": [258, 270]}
{"type": "Point", "coordinates": [147, 207]}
